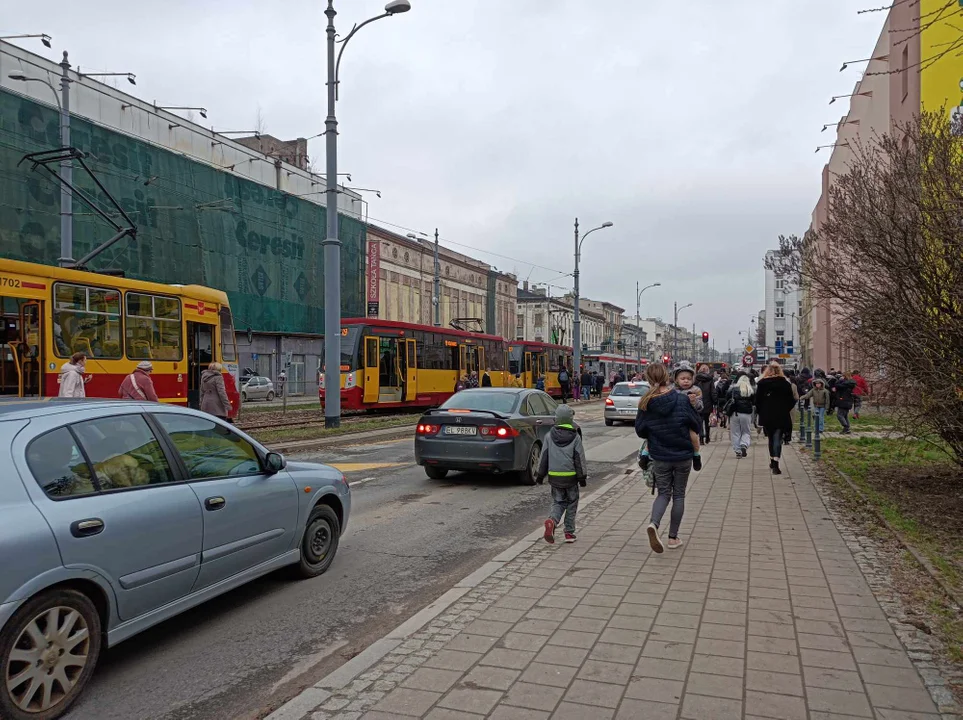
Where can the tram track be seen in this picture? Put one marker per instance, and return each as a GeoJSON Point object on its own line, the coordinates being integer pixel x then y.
{"type": "Point", "coordinates": [319, 418]}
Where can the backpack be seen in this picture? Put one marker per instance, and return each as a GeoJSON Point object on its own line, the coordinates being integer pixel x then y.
{"type": "Point", "coordinates": [563, 377]}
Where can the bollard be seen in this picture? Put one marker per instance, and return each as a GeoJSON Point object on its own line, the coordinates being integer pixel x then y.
{"type": "Point", "coordinates": [802, 422]}
{"type": "Point", "coordinates": [809, 427]}
{"type": "Point", "coordinates": [817, 449]}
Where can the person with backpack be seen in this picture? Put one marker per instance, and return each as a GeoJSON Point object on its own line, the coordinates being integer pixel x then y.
{"type": "Point", "coordinates": [565, 382]}
{"type": "Point", "coordinates": [818, 396]}
{"type": "Point", "coordinates": [740, 406]}
{"type": "Point", "coordinates": [563, 462]}
{"type": "Point", "coordinates": [845, 389]}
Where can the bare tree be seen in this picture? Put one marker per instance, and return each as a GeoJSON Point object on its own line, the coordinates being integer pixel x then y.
{"type": "Point", "coordinates": [260, 122]}
{"type": "Point", "coordinates": [888, 261]}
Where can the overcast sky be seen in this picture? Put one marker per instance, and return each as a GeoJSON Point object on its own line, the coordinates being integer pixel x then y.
{"type": "Point", "coordinates": [690, 124]}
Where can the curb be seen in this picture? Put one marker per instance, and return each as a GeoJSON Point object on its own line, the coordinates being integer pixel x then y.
{"type": "Point", "coordinates": [310, 698]}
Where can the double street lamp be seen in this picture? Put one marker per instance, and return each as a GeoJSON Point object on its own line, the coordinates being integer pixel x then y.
{"type": "Point", "coordinates": [576, 322]}
{"type": "Point", "coordinates": [332, 241]}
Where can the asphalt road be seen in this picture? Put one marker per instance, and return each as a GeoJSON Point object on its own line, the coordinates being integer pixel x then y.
{"type": "Point", "coordinates": [409, 539]}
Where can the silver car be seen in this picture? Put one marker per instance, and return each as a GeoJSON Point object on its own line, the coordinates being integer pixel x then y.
{"type": "Point", "coordinates": [115, 516]}
{"type": "Point", "coordinates": [622, 404]}
{"type": "Point", "coordinates": [257, 388]}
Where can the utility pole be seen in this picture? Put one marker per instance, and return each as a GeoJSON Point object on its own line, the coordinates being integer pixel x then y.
{"type": "Point", "coordinates": [437, 298]}
{"type": "Point", "coordinates": [66, 171]}
{"type": "Point", "coordinates": [675, 332]}
{"type": "Point", "coordinates": [332, 245]}
{"type": "Point", "coordinates": [576, 321]}
{"type": "Point", "coordinates": [694, 351]}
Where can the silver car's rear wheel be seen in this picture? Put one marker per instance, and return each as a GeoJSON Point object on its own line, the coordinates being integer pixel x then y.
{"type": "Point", "coordinates": [49, 650]}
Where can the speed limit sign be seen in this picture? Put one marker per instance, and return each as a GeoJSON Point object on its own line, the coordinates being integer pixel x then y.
{"type": "Point", "coordinates": [748, 359]}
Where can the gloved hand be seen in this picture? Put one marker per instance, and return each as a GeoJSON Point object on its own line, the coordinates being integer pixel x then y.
{"type": "Point", "coordinates": [582, 482]}
{"type": "Point", "coordinates": [697, 462]}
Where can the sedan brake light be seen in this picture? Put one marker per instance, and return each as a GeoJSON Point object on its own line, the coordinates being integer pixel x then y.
{"type": "Point", "coordinates": [506, 431]}
{"type": "Point", "coordinates": [609, 401]}
{"type": "Point", "coordinates": [427, 429]}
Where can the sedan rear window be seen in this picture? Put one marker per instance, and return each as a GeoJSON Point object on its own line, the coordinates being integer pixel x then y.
{"type": "Point", "coordinates": [502, 402]}
{"type": "Point", "coordinates": [631, 389]}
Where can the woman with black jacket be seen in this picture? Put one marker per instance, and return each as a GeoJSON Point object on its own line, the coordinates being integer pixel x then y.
{"type": "Point", "coordinates": [707, 385]}
{"type": "Point", "coordinates": [740, 404]}
{"type": "Point", "coordinates": [774, 402]}
{"type": "Point", "coordinates": [670, 426]}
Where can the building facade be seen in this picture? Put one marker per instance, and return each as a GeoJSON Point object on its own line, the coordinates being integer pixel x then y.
{"type": "Point", "coordinates": [400, 282]}
{"type": "Point", "coordinates": [545, 318]}
{"type": "Point", "coordinates": [612, 319]}
{"type": "Point", "coordinates": [780, 321]}
{"type": "Point", "coordinates": [292, 152]}
{"type": "Point", "coordinates": [913, 66]}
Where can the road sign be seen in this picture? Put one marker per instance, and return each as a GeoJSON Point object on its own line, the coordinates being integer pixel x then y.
{"type": "Point", "coordinates": [748, 359]}
{"type": "Point", "coordinates": [785, 356]}
{"type": "Point", "coordinates": [287, 359]}
{"type": "Point", "coordinates": [749, 348]}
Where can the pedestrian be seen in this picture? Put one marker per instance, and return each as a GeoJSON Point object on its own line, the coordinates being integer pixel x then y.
{"type": "Point", "coordinates": [794, 412]}
{"type": "Point", "coordinates": [461, 384]}
{"type": "Point", "coordinates": [282, 379]}
{"type": "Point", "coordinates": [722, 394]}
{"type": "Point", "coordinates": [214, 400]}
{"type": "Point", "coordinates": [707, 386]}
{"type": "Point", "coordinates": [740, 405]}
{"type": "Point", "coordinates": [684, 376]}
{"type": "Point", "coordinates": [540, 383]}
{"type": "Point", "coordinates": [774, 401]}
{"type": "Point", "coordinates": [517, 380]}
{"type": "Point", "coordinates": [845, 392]}
{"type": "Point", "coordinates": [563, 462]}
{"type": "Point", "coordinates": [472, 381]}
{"type": "Point", "coordinates": [818, 395]}
{"type": "Point", "coordinates": [486, 380]}
{"type": "Point", "coordinates": [861, 391]}
{"type": "Point", "coordinates": [586, 384]}
{"type": "Point", "coordinates": [599, 384]}
{"type": "Point", "coordinates": [138, 385]}
{"type": "Point", "coordinates": [564, 382]}
{"type": "Point", "coordinates": [72, 379]}
{"type": "Point", "coordinates": [670, 426]}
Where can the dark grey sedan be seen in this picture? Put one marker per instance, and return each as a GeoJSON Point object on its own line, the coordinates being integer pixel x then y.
{"type": "Point", "coordinates": [497, 430]}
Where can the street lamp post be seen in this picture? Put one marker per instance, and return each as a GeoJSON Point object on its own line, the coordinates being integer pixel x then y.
{"type": "Point", "coordinates": [66, 165]}
{"type": "Point", "coordinates": [576, 322]}
{"type": "Point", "coordinates": [675, 329]}
{"type": "Point", "coordinates": [332, 242]}
{"type": "Point", "coordinates": [638, 319]}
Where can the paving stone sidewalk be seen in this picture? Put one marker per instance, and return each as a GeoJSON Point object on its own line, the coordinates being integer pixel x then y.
{"type": "Point", "coordinates": [763, 614]}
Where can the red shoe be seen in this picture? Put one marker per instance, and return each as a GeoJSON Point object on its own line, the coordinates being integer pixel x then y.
{"type": "Point", "coordinates": [569, 537]}
{"type": "Point", "coordinates": [549, 531]}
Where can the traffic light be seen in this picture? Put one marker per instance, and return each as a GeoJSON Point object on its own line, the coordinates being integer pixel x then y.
{"type": "Point", "coordinates": [705, 338]}
{"type": "Point", "coordinates": [665, 359]}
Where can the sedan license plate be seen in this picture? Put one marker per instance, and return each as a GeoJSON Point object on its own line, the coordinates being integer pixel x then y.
{"type": "Point", "coordinates": [461, 430]}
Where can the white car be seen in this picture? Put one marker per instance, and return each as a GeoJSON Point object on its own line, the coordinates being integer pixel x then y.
{"type": "Point", "coordinates": [622, 404]}
{"type": "Point", "coordinates": [257, 388]}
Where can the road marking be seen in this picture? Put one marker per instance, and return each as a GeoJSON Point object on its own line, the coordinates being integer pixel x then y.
{"type": "Point", "coordinates": [362, 481]}
{"type": "Point", "coordinates": [358, 467]}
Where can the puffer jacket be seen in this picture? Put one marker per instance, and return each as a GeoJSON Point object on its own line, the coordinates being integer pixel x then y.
{"type": "Point", "coordinates": [709, 397]}
{"type": "Point", "coordinates": [740, 404]}
{"type": "Point", "coordinates": [819, 396]}
{"type": "Point", "coordinates": [774, 400]}
{"type": "Point", "coordinates": [72, 381]}
{"type": "Point", "coordinates": [563, 458]}
{"type": "Point", "coordinates": [665, 424]}
{"type": "Point", "coordinates": [844, 393]}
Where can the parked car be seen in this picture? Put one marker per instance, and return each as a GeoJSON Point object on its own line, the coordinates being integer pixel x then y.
{"type": "Point", "coordinates": [115, 516]}
{"type": "Point", "coordinates": [622, 404]}
{"type": "Point", "coordinates": [497, 430]}
{"type": "Point", "coordinates": [257, 388]}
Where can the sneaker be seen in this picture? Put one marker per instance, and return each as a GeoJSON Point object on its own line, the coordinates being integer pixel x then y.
{"type": "Point", "coordinates": [655, 542]}
{"type": "Point", "coordinates": [674, 544]}
{"type": "Point", "coordinates": [549, 531]}
{"type": "Point", "coordinates": [745, 451]}
{"type": "Point", "coordinates": [570, 537]}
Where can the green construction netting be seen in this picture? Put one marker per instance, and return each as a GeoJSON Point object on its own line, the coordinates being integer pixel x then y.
{"type": "Point", "coordinates": [195, 223]}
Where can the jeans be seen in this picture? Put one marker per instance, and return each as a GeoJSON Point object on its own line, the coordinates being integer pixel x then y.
{"type": "Point", "coordinates": [857, 403]}
{"type": "Point", "coordinates": [565, 500]}
{"type": "Point", "coordinates": [775, 442]}
{"type": "Point", "coordinates": [820, 418]}
{"type": "Point", "coordinates": [585, 392]}
{"type": "Point", "coordinates": [740, 430]}
{"type": "Point", "coordinates": [706, 426]}
{"type": "Point", "coordinates": [670, 481]}
{"type": "Point", "coordinates": [842, 414]}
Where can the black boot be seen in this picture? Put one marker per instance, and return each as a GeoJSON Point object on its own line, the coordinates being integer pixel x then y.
{"type": "Point", "coordinates": [775, 468]}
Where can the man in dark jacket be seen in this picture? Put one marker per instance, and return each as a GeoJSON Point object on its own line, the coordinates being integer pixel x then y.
{"type": "Point", "coordinates": [563, 462]}
{"type": "Point", "coordinates": [586, 384]}
{"type": "Point", "coordinates": [564, 382]}
{"type": "Point", "coordinates": [844, 389]}
{"type": "Point", "coordinates": [710, 396]}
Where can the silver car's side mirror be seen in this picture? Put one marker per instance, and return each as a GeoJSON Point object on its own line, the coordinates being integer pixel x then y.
{"type": "Point", "coordinates": [274, 462]}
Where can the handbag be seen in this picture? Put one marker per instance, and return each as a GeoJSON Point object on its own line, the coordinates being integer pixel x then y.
{"type": "Point", "coordinates": [713, 419]}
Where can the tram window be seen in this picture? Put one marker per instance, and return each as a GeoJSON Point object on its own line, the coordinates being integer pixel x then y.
{"type": "Point", "coordinates": [228, 348]}
{"type": "Point", "coordinates": [87, 320]}
{"type": "Point", "coordinates": [153, 327]}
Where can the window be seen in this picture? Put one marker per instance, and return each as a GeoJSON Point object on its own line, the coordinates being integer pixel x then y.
{"type": "Point", "coordinates": [503, 402]}
{"type": "Point", "coordinates": [904, 71]}
{"type": "Point", "coordinates": [780, 311]}
{"type": "Point", "coordinates": [209, 450]}
{"type": "Point", "coordinates": [153, 327]}
{"type": "Point", "coordinates": [58, 466]}
{"type": "Point", "coordinates": [87, 320]}
{"type": "Point", "coordinates": [228, 346]}
{"type": "Point", "coordinates": [631, 389]}
{"type": "Point", "coordinates": [780, 283]}
{"type": "Point", "coordinates": [539, 406]}
{"type": "Point", "coordinates": [123, 452]}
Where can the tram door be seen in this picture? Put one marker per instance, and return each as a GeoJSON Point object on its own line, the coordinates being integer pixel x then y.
{"type": "Point", "coordinates": [527, 375]}
{"type": "Point", "coordinates": [200, 354]}
{"type": "Point", "coordinates": [480, 362]}
{"type": "Point", "coordinates": [372, 375]}
{"type": "Point", "coordinates": [462, 361]}
{"type": "Point", "coordinates": [411, 369]}
{"type": "Point", "coordinates": [30, 350]}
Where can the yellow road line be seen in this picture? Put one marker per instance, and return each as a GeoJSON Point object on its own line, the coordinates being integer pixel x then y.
{"type": "Point", "coordinates": [359, 467]}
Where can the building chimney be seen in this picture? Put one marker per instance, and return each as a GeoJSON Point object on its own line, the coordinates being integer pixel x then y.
{"type": "Point", "coordinates": [525, 286]}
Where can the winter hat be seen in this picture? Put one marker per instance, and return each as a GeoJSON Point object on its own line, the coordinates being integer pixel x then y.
{"type": "Point", "coordinates": [683, 366]}
{"type": "Point", "coordinates": [564, 415]}
{"type": "Point", "coordinates": [145, 365]}
{"type": "Point", "coordinates": [820, 380]}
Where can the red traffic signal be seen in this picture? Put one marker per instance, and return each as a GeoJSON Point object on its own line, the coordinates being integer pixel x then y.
{"type": "Point", "coordinates": [665, 359]}
{"type": "Point", "coordinates": [705, 337]}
